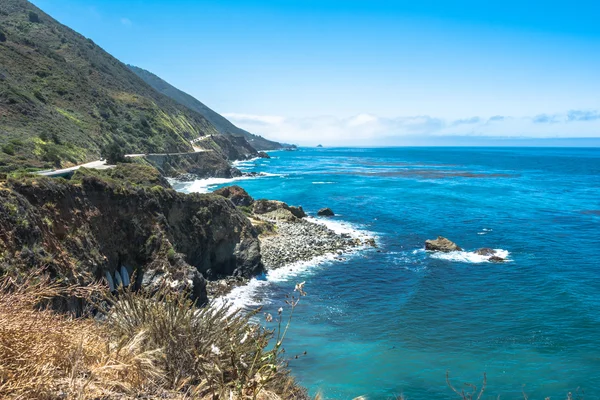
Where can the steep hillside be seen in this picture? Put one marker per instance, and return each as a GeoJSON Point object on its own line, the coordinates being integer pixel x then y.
{"type": "Point", "coordinates": [63, 98]}
{"type": "Point", "coordinates": [221, 123]}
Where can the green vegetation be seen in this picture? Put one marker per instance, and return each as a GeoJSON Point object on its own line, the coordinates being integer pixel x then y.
{"type": "Point", "coordinates": [133, 175]}
{"type": "Point", "coordinates": [222, 125]}
{"type": "Point", "coordinates": [33, 17]}
{"type": "Point", "coordinates": [67, 99]}
{"type": "Point", "coordinates": [114, 153]}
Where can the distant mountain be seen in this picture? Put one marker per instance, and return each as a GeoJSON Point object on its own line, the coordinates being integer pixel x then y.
{"type": "Point", "coordinates": [223, 125]}
{"type": "Point", "coordinates": [63, 98]}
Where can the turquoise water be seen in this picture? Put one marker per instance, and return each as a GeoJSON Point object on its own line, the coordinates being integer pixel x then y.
{"type": "Point", "coordinates": [384, 323]}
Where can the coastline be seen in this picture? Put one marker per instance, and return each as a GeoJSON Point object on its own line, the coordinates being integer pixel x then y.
{"type": "Point", "coordinates": [289, 247]}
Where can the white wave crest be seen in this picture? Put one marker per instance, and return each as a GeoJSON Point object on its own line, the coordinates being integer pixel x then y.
{"type": "Point", "coordinates": [468, 256]}
{"type": "Point", "coordinates": [208, 184]}
{"type": "Point", "coordinates": [324, 183]}
{"type": "Point", "coordinates": [343, 227]}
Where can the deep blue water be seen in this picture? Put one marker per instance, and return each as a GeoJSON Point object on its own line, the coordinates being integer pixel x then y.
{"type": "Point", "coordinates": [391, 322]}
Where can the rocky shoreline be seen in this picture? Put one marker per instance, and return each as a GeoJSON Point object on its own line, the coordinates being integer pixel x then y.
{"type": "Point", "coordinates": [304, 240]}
{"type": "Point", "coordinates": [286, 236]}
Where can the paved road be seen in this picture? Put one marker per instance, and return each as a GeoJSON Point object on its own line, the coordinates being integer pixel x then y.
{"type": "Point", "coordinates": [100, 164]}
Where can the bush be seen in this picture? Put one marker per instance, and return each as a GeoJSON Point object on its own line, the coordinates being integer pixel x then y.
{"type": "Point", "coordinates": [114, 154]}
{"type": "Point", "coordinates": [212, 353]}
{"type": "Point", "coordinates": [2, 37]}
{"type": "Point", "coordinates": [33, 17]}
{"type": "Point", "coordinates": [9, 149]}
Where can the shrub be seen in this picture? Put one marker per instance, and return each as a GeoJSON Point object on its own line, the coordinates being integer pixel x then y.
{"type": "Point", "coordinates": [9, 149]}
{"type": "Point", "coordinates": [2, 37]}
{"type": "Point", "coordinates": [38, 95]}
{"type": "Point", "coordinates": [33, 17]}
{"type": "Point", "coordinates": [214, 352]}
{"type": "Point", "coordinates": [114, 154]}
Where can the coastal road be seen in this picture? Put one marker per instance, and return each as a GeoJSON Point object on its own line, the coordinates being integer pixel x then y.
{"type": "Point", "coordinates": [58, 173]}
{"type": "Point", "coordinates": [101, 164]}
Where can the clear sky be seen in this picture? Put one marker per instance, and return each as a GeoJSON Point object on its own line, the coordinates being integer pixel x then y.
{"type": "Point", "coordinates": [366, 71]}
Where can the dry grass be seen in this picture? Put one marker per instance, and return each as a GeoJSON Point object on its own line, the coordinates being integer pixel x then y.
{"type": "Point", "coordinates": [149, 347]}
{"type": "Point", "coordinates": [44, 355]}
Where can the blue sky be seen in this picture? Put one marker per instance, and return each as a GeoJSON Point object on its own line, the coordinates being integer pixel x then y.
{"type": "Point", "coordinates": [366, 72]}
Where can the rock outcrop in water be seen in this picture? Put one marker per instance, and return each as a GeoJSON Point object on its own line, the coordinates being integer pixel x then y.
{"type": "Point", "coordinates": [441, 244]}
{"type": "Point", "coordinates": [485, 251]}
{"type": "Point", "coordinates": [325, 212]}
{"type": "Point", "coordinates": [82, 231]}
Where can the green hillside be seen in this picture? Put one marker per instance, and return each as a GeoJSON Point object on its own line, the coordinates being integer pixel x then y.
{"type": "Point", "coordinates": [223, 125]}
{"type": "Point", "coordinates": [63, 98]}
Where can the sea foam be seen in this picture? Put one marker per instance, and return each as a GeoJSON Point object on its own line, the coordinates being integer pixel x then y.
{"type": "Point", "coordinates": [468, 256]}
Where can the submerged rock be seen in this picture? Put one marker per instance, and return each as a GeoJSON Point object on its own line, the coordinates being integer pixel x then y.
{"type": "Point", "coordinates": [326, 212]}
{"type": "Point", "coordinates": [441, 244]}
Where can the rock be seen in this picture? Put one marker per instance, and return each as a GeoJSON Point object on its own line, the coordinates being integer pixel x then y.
{"type": "Point", "coordinates": [325, 212]}
{"type": "Point", "coordinates": [485, 251]}
{"type": "Point", "coordinates": [297, 211]}
{"type": "Point", "coordinates": [262, 154]}
{"type": "Point", "coordinates": [371, 242]}
{"type": "Point", "coordinates": [267, 206]}
{"type": "Point", "coordinates": [281, 214]}
{"type": "Point", "coordinates": [236, 195]}
{"type": "Point", "coordinates": [264, 206]}
{"type": "Point", "coordinates": [496, 259]}
{"type": "Point", "coordinates": [441, 244]}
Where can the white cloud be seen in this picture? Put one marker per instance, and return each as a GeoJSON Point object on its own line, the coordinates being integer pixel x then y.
{"type": "Point", "coordinates": [368, 129]}
{"type": "Point", "coordinates": [257, 119]}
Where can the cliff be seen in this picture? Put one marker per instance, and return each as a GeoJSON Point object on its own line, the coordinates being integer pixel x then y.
{"type": "Point", "coordinates": [96, 225]}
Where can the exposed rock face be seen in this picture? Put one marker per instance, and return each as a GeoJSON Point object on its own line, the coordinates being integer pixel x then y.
{"type": "Point", "coordinates": [486, 251]}
{"type": "Point", "coordinates": [79, 232]}
{"type": "Point", "coordinates": [441, 244]}
{"type": "Point", "coordinates": [267, 206]}
{"type": "Point", "coordinates": [236, 195]}
{"type": "Point", "coordinates": [262, 154]}
{"type": "Point", "coordinates": [326, 212]}
{"type": "Point", "coordinates": [280, 214]}
{"type": "Point", "coordinates": [496, 259]}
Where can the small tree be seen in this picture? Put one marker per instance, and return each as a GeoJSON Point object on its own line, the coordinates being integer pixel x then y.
{"type": "Point", "coordinates": [33, 17]}
{"type": "Point", "coordinates": [2, 37]}
{"type": "Point", "coordinates": [114, 154]}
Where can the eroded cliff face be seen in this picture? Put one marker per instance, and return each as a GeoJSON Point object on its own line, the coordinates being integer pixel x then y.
{"type": "Point", "coordinates": [84, 231]}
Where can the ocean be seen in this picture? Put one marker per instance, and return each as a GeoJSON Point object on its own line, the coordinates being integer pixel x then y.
{"type": "Point", "coordinates": [394, 320]}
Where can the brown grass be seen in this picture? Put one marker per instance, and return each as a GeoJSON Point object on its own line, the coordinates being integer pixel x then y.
{"type": "Point", "coordinates": [149, 347]}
